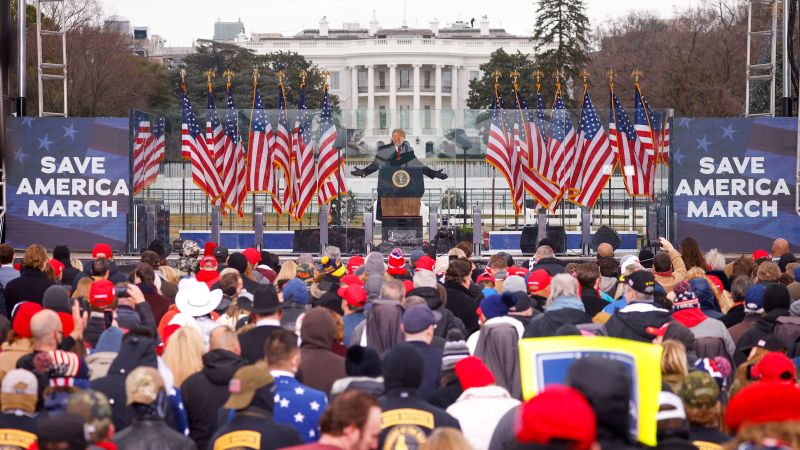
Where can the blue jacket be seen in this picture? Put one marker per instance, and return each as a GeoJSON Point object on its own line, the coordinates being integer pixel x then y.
{"type": "Point", "coordinates": [350, 322]}
{"type": "Point", "coordinates": [298, 406]}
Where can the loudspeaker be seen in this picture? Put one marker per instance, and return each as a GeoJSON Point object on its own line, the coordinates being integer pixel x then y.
{"type": "Point", "coordinates": [150, 222]}
{"type": "Point", "coordinates": [529, 239]}
{"type": "Point", "coordinates": [608, 235]}
{"type": "Point", "coordinates": [350, 240]}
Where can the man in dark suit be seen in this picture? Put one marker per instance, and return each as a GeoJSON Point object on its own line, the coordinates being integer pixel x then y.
{"type": "Point", "coordinates": [391, 157]}
{"type": "Point", "coordinates": [265, 313]}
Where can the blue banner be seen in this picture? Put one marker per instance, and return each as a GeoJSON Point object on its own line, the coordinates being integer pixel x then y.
{"type": "Point", "coordinates": [68, 182]}
{"type": "Point", "coordinates": [734, 182]}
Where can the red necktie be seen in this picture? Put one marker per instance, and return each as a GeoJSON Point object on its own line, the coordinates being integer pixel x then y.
{"type": "Point", "coordinates": [398, 151]}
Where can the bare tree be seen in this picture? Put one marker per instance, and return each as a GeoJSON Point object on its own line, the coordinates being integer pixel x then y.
{"type": "Point", "coordinates": [73, 14]}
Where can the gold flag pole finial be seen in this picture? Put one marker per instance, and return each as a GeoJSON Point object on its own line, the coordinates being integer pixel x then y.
{"type": "Point", "coordinates": [585, 78]}
{"type": "Point", "coordinates": [636, 74]}
{"type": "Point", "coordinates": [611, 74]}
{"type": "Point", "coordinates": [303, 75]}
{"type": "Point", "coordinates": [325, 75]}
{"type": "Point", "coordinates": [228, 76]}
{"type": "Point", "coordinates": [255, 74]}
{"type": "Point", "coordinates": [183, 79]}
{"type": "Point", "coordinates": [538, 74]}
{"type": "Point", "coordinates": [281, 75]}
{"type": "Point", "coordinates": [558, 75]}
{"type": "Point", "coordinates": [210, 74]}
{"type": "Point", "coordinates": [514, 76]}
{"type": "Point", "coordinates": [496, 74]}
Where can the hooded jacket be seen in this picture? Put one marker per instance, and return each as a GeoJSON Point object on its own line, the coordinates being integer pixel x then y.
{"type": "Point", "coordinates": [631, 322]}
{"type": "Point", "coordinates": [257, 418]}
{"type": "Point", "coordinates": [498, 347]}
{"type": "Point", "coordinates": [319, 366]}
{"type": "Point", "coordinates": [550, 265]}
{"type": "Point", "coordinates": [381, 327]}
{"type": "Point", "coordinates": [478, 410]}
{"type": "Point", "coordinates": [763, 328]}
{"type": "Point", "coordinates": [206, 391]}
{"type": "Point", "coordinates": [135, 351]}
{"type": "Point", "coordinates": [702, 326]}
{"type": "Point", "coordinates": [149, 432]}
{"type": "Point", "coordinates": [561, 312]}
{"type": "Point", "coordinates": [606, 385]}
{"type": "Point", "coordinates": [449, 321]}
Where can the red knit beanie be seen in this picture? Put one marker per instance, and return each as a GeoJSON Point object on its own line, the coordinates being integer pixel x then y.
{"type": "Point", "coordinates": [472, 372]}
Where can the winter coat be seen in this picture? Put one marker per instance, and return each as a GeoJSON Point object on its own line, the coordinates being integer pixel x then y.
{"type": "Point", "coordinates": [432, 367]}
{"type": "Point", "coordinates": [550, 265]}
{"type": "Point", "coordinates": [554, 317]}
{"type": "Point", "coordinates": [206, 391]}
{"type": "Point", "coordinates": [69, 273]}
{"type": "Point", "coordinates": [134, 351]}
{"type": "Point", "coordinates": [449, 321]}
{"type": "Point", "coordinates": [472, 341]}
{"type": "Point", "coordinates": [592, 301]}
{"type": "Point", "coordinates": [498, 347]}
{"type": "Point", "coordinates": [631, 322]}
{"type": "Point", "coordinates": [447, 394]}
{"type": "Point", "coordinates": [151, 433]}
{"type": "Point", "coordinates": [462, 304]}
{"type": "Point", "coordinates": [18, 429]}
{"type": "Point", "coordinates": [703, 326]}
{"type": "Point", "coordinates": [668, 280]}
{"type": "Point", "coordinates": [504, 435]}
{"type": "Point", "coordinates": [747, 323]}
{"type": "Point", "coordinates": [372, 386]}
{"type": "Point", "coordinates": [159, 304]}
{"type": "Point", "coordinates": [478, 410]}
{"type": "Point", "coordinates": [381, 329]}
{"type": "Point", "coordinates": [319, 366]}
{"type": "Point", "coordinates": [7, 273]}
{"type": "Point", "coordinates": [350, 322]}
{"type": "Point", "coordinates": [294, 400]}
{"type": "Point", "coordinates": [99, 363]}
{"type": "Point", "coordinates": [273, 435]}
{"type": "Point", "coordinates": [12, 352]}
{"type": "Point", "coordinates": [28, 286]}
{"type": "Point", "coordinates": [402, 409]}
{"type": "Point", "coordinates": [252, 342]}
{"type": "Point", "coordinates": [763, 328]}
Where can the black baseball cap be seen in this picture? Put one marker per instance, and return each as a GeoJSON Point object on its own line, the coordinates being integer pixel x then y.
{"type": "Point", "coordinates": [640, 281]}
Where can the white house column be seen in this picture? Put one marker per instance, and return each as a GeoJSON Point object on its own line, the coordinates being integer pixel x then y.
{"type": "Point", "coordinates": [370, 99]}
{"type": "Point", "coordinates": [454, 97]}
{"type": "Point", "coordinates": [416, 129]}
{"type": "Point", "coordinates": [354, 95]}
{"type": "Point", "coordinates": [392, 96]}
{"type": "Point", "coordinates": [437, 99]}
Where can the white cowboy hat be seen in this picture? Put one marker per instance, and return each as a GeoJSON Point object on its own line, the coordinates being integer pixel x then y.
{"type": "Point", "coordinates": [194, 298]}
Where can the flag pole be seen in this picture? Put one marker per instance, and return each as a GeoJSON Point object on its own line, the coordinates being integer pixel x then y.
{"type": "Point", "coordinates": [611, 74]}
{"type": "Point", "coordinates": [514, 75]}
{"type": "Point", "coordinates": [496, 74]}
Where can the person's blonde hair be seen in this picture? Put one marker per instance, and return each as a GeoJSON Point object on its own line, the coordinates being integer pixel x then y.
{"type": "Point", "coordinates": [76, 263]}
{"type": "Point", "coordinates": [288, 272]}
{"type": "Point", "coordinates": [184, 353]}
{"type": "Point", "coordinates": [457, 252]}
{"type": "Point", "coordinates": [445, 438]}
{"type": "Point", "coordinates": [35, 257]}
{"type": "Point", "coordinates": [673, 359]}
{"type": "Point", "coordinates": [169, 274]}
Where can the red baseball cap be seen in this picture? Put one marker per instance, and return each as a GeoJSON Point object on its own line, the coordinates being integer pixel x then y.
{"type": "Point", "coordinates": [538, 280]}
{"type": "Point", "coordinates": [252, 255]}
{"type": "Point", "coordinates": [351, 279]}
{"type": "Point", "coordinates": [775, 366]}
{"type": "Point", "coordinates": [486, 275]}
{"type": "Point", "coordinates": [425, 262]}
{"type": "Point", "coordinates": [354, 263]}
{"type": "Point", "coordinates": [408, 285]}
{"type": "Point", "coordinates": [208, 249]}
{"type": "Point", "coordinates": [658, 331]}
{"type": "Point", "coordinates": [67, 323]}
{"type": "Point", "coordinates": [58, 267]}
{"type": "Point", "coordinates": [760, 254]}
{"type": "Point", "coordinates": [101, 250]}
{"type": "Point", "coordinates": [557, 413]}
{"type": "Point", "coordinates": [23, 313]}
{"type": "Point", "coordinates": [514, 270]}
{"type": "Point", "coordinates": [208, 259]}
{"type": "Point", "coordinates": [763, 402]}
{"type": "Point", "coordinates": [354, 295]}
{"type": "Point", "coordinates": [101, 293]}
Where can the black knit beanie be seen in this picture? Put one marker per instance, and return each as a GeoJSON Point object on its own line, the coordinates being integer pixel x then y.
{"type": "Point", "coordinates": [362, 362]}
{"type": "Point", "coordinates": [776, 295]}
{"type": "Point", "coordinates": [402, 368]}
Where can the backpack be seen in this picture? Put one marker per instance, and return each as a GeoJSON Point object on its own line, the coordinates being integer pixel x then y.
{"type": "Point", "coordinates": [787, 329]}
{"type": "Point", "coordinates": [711, 347]}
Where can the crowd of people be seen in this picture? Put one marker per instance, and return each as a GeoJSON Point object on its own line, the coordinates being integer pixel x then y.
{"type": "Point", "coordinates": [243, 350]}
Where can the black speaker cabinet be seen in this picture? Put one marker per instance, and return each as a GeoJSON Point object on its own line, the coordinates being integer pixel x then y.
{"type": "Point", "coordinates": [156, 226]}
{"type": "Point", "coordinates": [350, 240]}
{"type": "Point", "coordinates": [529, 239]}
{"type": "Point", "coordinates": [606, 234]}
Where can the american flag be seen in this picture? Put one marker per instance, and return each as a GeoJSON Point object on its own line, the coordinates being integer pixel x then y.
{"type": "Point", "coordinates": [516, 160]}
{"type": "Point", "coordinates": [561, 146]}
{"type": "Point", "coordinates": [330, 172]}
{"type": "Point", "coordinates": [260, 146]}
{"type": "Point", "coordinates": [193, 146]}
{"type": "Point", "coordinates": [499, 147]}
{"type": "Point", "coordinates": [281, 158]}
{"type": "Point", "coordinates": [303, 158]}
{"type": "Point", "coordinates": [597, 158]}
{"type": "Point", "coordinates": [537, 145]}
{"type": "Point", "coordinates": [233, 164]}
{"type": "Point", "coordinates": [660, 125]}
{"type": "Point", "coordinates": [628, 148]}
{"type": "Point", "coordinates": [664, 153]}
{"type": "Point", "coordinates": [214, 133]}
{"type": "Point", "coordinates": [544, 191]}
{"type": "Point", "coordinates": [143, 149]}
{"type": "Point", "coordinates": [643, 126]}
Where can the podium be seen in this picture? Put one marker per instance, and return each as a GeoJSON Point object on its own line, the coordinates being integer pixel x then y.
{"type": "Point", "coordinates": [400, 189]}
